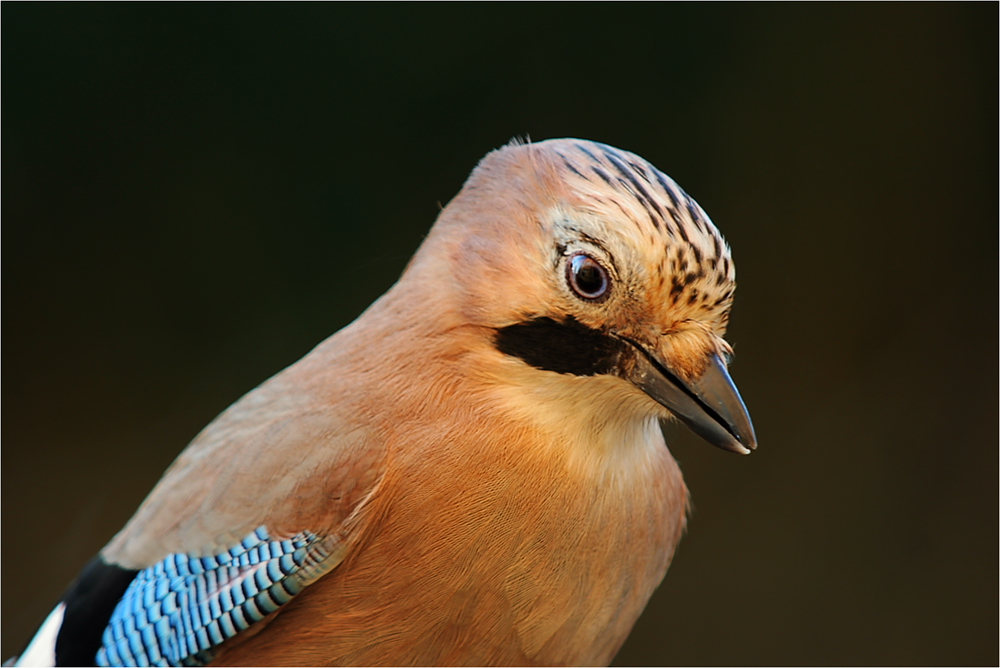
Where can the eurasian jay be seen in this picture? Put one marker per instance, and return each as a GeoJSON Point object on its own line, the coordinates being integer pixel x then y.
{"type": "Point", "coordinates": [472, 472]}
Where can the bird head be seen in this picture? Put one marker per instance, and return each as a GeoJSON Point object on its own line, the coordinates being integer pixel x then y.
{"type": "Point", "coordinates": [586, 261]}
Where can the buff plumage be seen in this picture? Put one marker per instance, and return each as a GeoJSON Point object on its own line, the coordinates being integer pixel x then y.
{"type": "Point", "coordinates": [470, 473]}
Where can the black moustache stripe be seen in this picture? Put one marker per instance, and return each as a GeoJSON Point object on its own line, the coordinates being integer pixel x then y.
{"type": "Point", "coordinates": [564, 346]}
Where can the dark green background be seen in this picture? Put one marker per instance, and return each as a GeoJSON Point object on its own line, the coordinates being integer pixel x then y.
{"type": "Point", "coordinates": [194, 196]}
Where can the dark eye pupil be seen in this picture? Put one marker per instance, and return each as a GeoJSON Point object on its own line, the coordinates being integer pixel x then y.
{"type": "Point", "coordinates": [587, 278]}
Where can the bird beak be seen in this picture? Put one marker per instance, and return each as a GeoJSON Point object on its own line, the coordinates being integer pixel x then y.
{"type": "Point", "coordinates": [709, 404]}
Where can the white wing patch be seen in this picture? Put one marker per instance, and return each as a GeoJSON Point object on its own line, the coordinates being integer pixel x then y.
{"type": "Point", "coordinates": [42, 649]}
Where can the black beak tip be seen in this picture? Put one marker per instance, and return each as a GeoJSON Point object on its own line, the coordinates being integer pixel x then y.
{"type": "Point", "coordinates": [709, 405]}
{"type": "Point", "coordinates": [746, 449]}
{"type": "Point", "coordinates": [742, 439]}
{"type": "Point", "coordinates": [737, 445]}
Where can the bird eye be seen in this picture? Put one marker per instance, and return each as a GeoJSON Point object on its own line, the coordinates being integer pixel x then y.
{"type": "Point", "coordinates": [587, 278]}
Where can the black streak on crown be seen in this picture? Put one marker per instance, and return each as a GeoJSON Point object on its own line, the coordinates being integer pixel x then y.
{"type": "Point", "coordinates": [640, 193]}
{"type": "Point", "coordinates": [566, 346]}
{"type": "Point", "coordinates": [571, 167]}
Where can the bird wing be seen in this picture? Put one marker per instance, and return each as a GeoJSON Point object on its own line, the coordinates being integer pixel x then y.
{"type": "Point", "coordinates": [178, 611]}
{"type": "Point", "coordinates": [267, 499]}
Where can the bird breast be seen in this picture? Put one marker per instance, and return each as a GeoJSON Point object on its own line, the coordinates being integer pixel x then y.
{"type": "Point", "coordinates": [495, 544]}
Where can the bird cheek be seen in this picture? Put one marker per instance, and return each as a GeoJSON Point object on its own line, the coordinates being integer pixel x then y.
{"type": "Point", "coordinates": [489, 275]}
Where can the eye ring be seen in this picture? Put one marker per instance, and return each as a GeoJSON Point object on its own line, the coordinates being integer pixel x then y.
{"type": "Point", "coordinates": [587, 278]}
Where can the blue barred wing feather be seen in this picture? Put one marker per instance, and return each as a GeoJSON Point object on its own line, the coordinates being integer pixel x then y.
{"type": "Point", "coordinates": [178, 611]}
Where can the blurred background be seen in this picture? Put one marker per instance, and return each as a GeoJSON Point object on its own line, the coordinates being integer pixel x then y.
{"type": "Point", "coordinates": [196, 195]}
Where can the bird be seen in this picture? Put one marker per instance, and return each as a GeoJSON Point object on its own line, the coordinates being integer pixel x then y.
{"type": "Point", "coordinates": [471, 472]}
